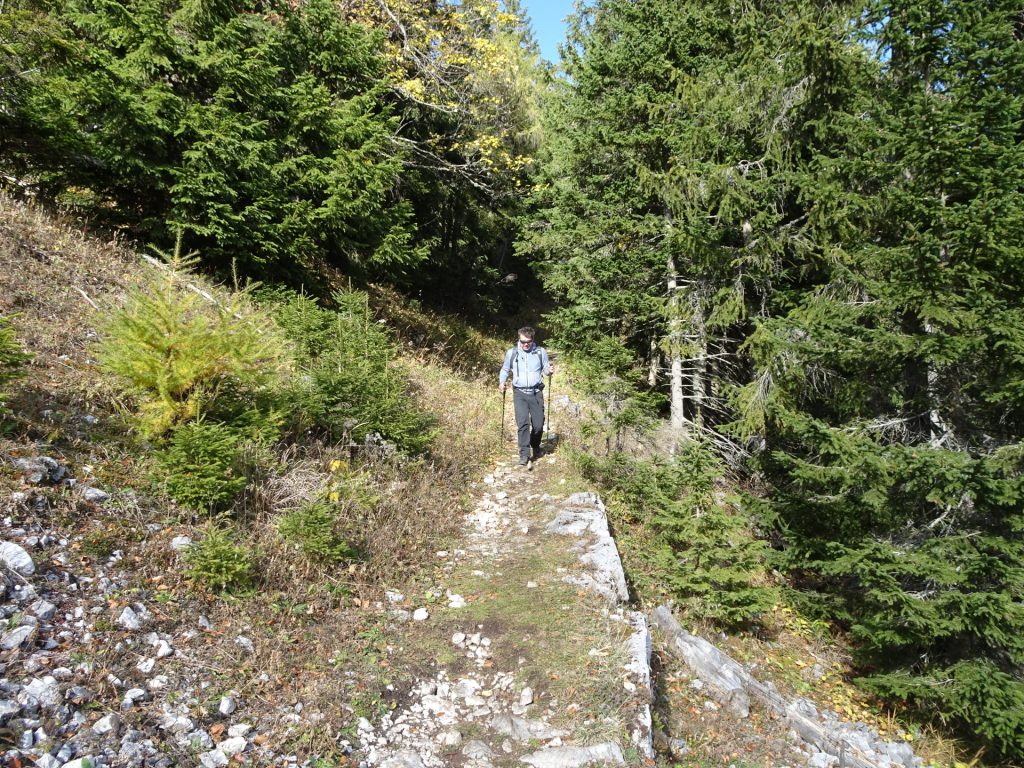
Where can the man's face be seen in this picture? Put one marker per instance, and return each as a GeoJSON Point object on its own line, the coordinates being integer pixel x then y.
{"type": "Point", "coordinates": [525, 343]}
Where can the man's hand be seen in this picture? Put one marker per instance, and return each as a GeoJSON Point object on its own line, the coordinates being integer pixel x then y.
{"type": "Point", "coordinates": [501, 388]}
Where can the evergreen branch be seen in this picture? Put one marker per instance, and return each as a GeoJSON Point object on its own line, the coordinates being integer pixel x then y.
{"type": "Point", "coordinates": [778, 229]}
{"type": "Point", "coordinates": [190, 286]}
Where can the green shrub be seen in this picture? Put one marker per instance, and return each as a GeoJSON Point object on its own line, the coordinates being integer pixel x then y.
{"type": "Point", "coordinates": [347, 386]}
{"type": "Point", "coordinates": [314, 529]}
{"type": "Point", "coordinates": [218, 563]}
{"type": "Point", "coordinates": [200, 466]}
{"type": "Point", "coordinates": [181, 354]}
{"type": "Point", "coordinates": [12, 359]}
{"type": "Point", "coordinates": [704, 548]}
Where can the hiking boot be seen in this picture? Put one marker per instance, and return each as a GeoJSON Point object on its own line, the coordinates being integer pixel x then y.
{"type": "Point", "coordinates": [523, 461]}
{"type": "Point", "coordinates": [537, 453]}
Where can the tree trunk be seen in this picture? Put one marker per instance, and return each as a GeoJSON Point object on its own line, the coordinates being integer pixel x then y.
{"type": "Point", "coordinates": [700, 363]}
{"type": "Point", "coordinates": [653, 361]}
{"type": "Point", "coordinates": [938, 428]}
{"type": "Point", "coordinates": [675, 344]}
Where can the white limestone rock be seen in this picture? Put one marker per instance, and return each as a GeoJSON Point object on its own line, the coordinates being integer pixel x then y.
{"type": "Point", "coordinates": [129, 619]}
{"type": "Point", "coordinates": [477, 750]}
{"type": "Point", "coordinates": [45, 691]}
{"type": "Point", "coordinates": [608, 753]}
{"type": "Point", "coordinates": [163, 649]}
{"type": "Point", "coordinates": [404, 759]}
{"type": "Point", "coordinates": [16, 637]}
{"type": "Point", "coordinates": [16, 558]}
{"type": "Point", "coordinates": [451, 738]}
{"type": "Point", "coordinates": [110, 724]}
{"type": "Point", "coordinates": [213, 759]}
{"type": "Point", "coordinates": [95, 495]}
{"type": "Point", "coordinates": [233, 746]}
{"type": "Point", "coordinates": [521, 729]}
{"type": "Point", "coordinates": [44, 609]}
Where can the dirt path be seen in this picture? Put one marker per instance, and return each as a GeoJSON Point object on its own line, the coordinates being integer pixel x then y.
{"type": "Point", "coordinates": [535, 658]}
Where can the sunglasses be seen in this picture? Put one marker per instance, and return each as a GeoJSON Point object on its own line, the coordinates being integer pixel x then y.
{"type": "Point", "coordinates": [526, 341]}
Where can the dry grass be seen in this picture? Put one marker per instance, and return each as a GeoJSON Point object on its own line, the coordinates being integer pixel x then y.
{"type": "Point", "coordinates": [442, 340]}
{"type": "Point", "coordinates": [53, 279]}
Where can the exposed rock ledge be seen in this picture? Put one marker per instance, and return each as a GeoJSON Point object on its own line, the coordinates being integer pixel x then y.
{"type": "Point", "coordinates": [853, 745]}
{"type": "Point", "coordinates": [583, 515]}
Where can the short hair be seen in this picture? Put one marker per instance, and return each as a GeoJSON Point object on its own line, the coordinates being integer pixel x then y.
{"type": "Point", "coordinates": [527, 331]}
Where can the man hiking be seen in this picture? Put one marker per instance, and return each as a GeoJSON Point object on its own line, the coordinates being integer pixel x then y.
{"type": "Point", "coordinates": [527, 364]}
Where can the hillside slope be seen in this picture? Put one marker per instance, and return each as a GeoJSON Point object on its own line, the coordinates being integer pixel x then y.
{"type": "Point", "coordinates": [113, 656]}
{"type": "Point", "coordinates": [466, 634]}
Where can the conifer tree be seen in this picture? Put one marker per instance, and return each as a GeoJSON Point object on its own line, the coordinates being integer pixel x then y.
{"type": "Point", "coordinates": [891, 389]}
{"type": "Point", "coordinates": [830, 194]}
{"type": "Point", "coordinates": [597, 234]}
{"type": "Point", "coordinates": [676, 208]}
{"type": "Point", "coordinates": [258, 129]}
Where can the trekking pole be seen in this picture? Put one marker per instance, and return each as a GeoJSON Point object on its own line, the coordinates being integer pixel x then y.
{"type": "Point", "coordinates": [550, 433]}
{"type": "Point", "coordinates": [501, 441]}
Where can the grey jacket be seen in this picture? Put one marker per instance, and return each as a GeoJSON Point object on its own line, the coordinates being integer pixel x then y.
{"type": "Point", "coordinates": [528, 368]}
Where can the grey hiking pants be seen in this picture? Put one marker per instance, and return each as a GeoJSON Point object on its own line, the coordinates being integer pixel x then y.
{"type": "Point", "coordinates": [529, 407]}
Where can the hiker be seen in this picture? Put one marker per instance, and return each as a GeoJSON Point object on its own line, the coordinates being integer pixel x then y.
{"type": "Point", "coordinates": [528, 364]}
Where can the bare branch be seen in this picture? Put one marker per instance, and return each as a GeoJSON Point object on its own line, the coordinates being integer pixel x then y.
{"type": "Point", "coordinates": [86, 297]}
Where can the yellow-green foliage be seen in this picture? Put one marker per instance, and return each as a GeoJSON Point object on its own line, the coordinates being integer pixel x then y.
{"type": "Point", "coordinates": [11, 357]}
{"type": "Point", "coordinates": [219, 563]}
{"type": "Point", "coordinates": [176, 348]}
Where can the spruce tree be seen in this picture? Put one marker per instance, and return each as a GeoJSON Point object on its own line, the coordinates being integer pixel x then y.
{"type": "Point", "coordinates": [891, 388]}
{"type": "Point", "coordinates": [597, 234]}
{"type": "Point", "coordinates": [676, 211]}
{"type": "Point", "coordinates": [260, 130]}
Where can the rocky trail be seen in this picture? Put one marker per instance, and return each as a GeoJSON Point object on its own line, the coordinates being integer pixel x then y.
{"type": "Point", "coordinates": [543, 664]}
